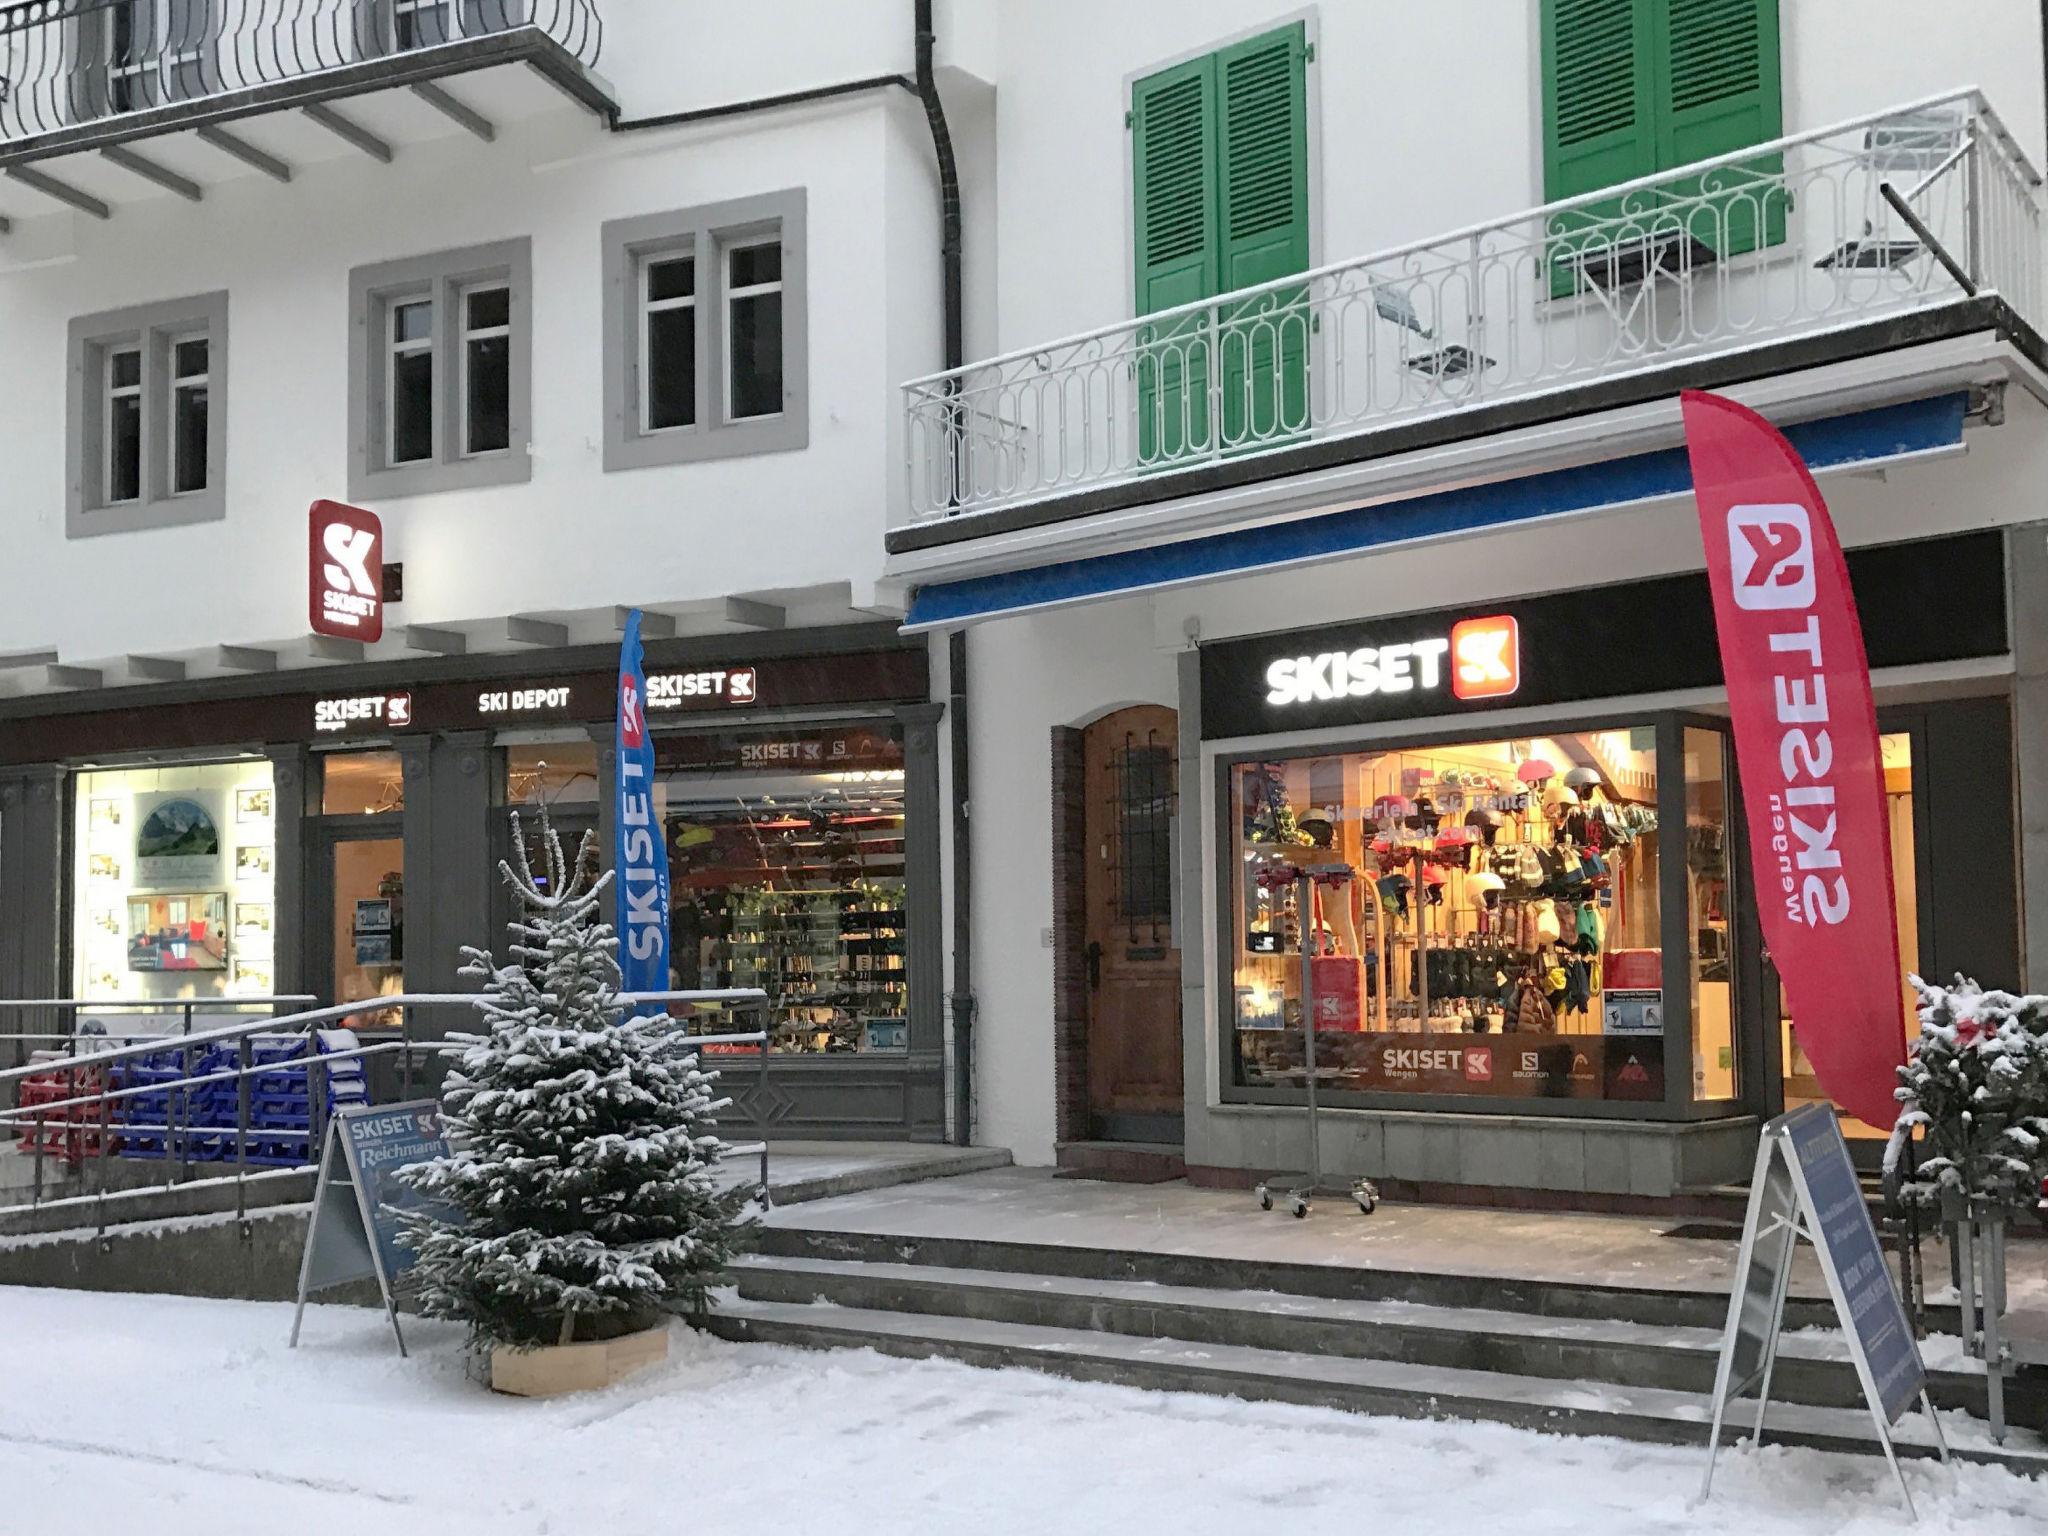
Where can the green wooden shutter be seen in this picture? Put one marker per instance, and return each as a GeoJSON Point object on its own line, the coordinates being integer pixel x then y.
{"type": "Point", "coordinates": [1598, 117]}
{"type": "Point", "coordinates": [1716, 89]}
{"type": "Point", "coordinates": [1262, 152]}
{"type": "Point", "coordinates": [1173, 124]}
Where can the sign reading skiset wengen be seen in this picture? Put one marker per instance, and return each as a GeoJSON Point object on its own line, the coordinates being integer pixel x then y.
{"type": "Point", "coordinates": [1806, 740]}
{"type": "Point", "coordinates": [640, 848]}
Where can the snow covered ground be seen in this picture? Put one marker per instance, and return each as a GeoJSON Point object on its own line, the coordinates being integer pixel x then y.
{"type": "Point", "coordinates": [174, 1416]}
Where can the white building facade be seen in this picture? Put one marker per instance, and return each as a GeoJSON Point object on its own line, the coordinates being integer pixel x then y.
{"type": "Point", "coordinates": [596, 305]}
{"type": "Point", "coordinates": [1316, 495]}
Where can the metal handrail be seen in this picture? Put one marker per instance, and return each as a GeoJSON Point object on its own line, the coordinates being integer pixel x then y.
{"type": "Point", "coordinates": [1760, 243]}
{"type": "Point", "coordinates": [317, 1016]}
{"type": "Point", "coordinates": [55, 1115]}
{"type": "Point", "coordinates": [63, 64]}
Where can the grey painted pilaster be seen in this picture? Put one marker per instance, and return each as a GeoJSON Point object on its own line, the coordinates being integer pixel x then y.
{"type": "Point", "coordinates": [33, 888]}
{"type": "Point", "coordinates": [292, 790]}
{"type": "Point", "coordinates": [605, 737]}
{"type": "Point", "coordinates": [422, 909]}
{"type": "Point", "coordinates": [460, 792]}
{"type": "Point", "coordinates": [924, 918]}
{"type": "Point", "coordinates": [1197, 1019]}
{"type": "Point", "coordinates": [2027, 573]}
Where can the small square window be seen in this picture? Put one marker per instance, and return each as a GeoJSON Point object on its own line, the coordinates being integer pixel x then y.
{"type": "Point", "coordinates": [439, 380]}
{"type": "Point", "coordinates": [144, 425]}
{"type": "Point", "coordinates": [705, 332]}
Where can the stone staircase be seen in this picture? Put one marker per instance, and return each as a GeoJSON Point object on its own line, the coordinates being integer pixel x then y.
{"type": "Point", "coordinates": [1580, 1359]}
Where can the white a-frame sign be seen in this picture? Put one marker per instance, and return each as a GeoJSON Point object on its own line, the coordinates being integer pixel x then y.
{"type": "Point", "coordinates": [1805, 1186]}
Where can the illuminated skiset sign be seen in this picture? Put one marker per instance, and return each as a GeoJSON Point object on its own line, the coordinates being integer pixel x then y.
{"type": "Point", "coordinates": [1479, 659]}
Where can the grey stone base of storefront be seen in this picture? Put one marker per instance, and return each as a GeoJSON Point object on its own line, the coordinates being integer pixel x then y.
{"type": "Point", "coordinates": [1529, 1161]}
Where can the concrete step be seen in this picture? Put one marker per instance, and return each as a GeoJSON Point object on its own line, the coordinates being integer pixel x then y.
{"type": "Point", "coordinates": [1391, 1387]}
{"type": "Point", "coordinates": [1811, 1369]}
{"type": "Point", "coordinates": [1347, 1282]}
{"type": "Point", "coordinates": [1121, 1162]}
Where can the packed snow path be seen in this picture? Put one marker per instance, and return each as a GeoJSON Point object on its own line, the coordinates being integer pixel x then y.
{"type": "Point", "coordinates": [175, 1416]}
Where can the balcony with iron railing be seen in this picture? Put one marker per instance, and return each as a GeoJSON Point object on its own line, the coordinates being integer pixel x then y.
{"type": "Point", "coordinates": [1902, 213]}
{"type": "Point", "coordinates": [105, 100]}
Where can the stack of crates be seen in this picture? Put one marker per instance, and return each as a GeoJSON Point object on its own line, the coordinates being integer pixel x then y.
{"type": "Point", "coordinates": [146, 1116]}
{"type": "Point", "coordinates": [73, 1132]}
{"type": "Point", "coordinates": [281, 1124]}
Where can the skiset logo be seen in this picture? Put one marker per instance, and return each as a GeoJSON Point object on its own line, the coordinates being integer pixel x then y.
{"type": "Point", "coordinates": [391, 710]}
{"type": "Point", "coordinates": [1770, 552]}
{"type": "Point", "coordinates": [345, 567]}
{"type": "Point", "coordinates": [1771, 566]}
{"type": "Point", "coordinates": [1481, 659]}
{"type": "Point", "coordinates": [632, 724]}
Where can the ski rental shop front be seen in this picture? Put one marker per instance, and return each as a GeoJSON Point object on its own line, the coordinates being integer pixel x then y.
{"type": "Point", "coordinates": [1492, 711]}
{"type": "Point", "coordinates": [331, 836]}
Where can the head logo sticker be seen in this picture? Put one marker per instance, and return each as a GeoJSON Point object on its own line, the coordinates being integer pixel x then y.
{"type": "Point", "coordinates": [1770, 555]}
{"type": "Point", "coordinates": [1486, 658]}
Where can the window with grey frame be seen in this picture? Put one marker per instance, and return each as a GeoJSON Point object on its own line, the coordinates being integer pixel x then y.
{"type": "Point", "coordinates": [440, 375]}
{"type": "Point", "coordinates": [705, 332]}
{"type": "Point", "coordinates": [145, 434]}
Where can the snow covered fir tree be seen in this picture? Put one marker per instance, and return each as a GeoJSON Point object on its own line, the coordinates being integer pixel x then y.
{"type": "Point", "coordinates": [1976, 1088]}
{"type": "Point", "coordinates": [584, 1151]}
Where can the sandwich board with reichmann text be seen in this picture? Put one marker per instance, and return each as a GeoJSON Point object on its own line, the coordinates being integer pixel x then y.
{"type": "Point", "coordinates": [1805, 1186]}
{"type": "Point", "coordinates": [359, 1203]}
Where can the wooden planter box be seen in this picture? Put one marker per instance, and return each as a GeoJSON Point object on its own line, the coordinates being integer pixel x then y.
{"type": "Point", "coordinates": [555, 1369]}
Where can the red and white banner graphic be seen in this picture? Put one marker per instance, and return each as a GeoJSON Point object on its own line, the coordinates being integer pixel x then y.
{"type": "Point", "coordinates": [1806, 740]}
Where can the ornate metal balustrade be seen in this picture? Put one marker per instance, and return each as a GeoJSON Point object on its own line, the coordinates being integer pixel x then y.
{"type": "Point", "coordinates": [69, 62]}
{"type": "Point", "coordinates": [1899, 211]}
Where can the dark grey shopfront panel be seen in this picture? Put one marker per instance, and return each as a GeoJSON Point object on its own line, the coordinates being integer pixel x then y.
{"type": "Point", "coordinates": [32, 904]}
{"type": "Point", "coordinates": [1970, 854]}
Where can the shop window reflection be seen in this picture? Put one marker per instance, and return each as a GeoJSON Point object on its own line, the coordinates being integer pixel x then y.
{"type": "Point", "coordinates": [1488, 924]}
{"type": "Point", "coordinates": [786, 872]}
{"type": "Point", "coordinates": [362, 784]}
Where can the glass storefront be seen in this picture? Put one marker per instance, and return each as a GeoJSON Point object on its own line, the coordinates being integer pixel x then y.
{"type": "Point", "coordinates": [1483, 918]}
{"type": "Point", "coordinates": [176, 891]}
{"type": "Point", "coordinates": [786, 872]}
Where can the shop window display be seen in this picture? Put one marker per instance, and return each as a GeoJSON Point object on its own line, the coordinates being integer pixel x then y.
{"type": "Point", "coordinates": [786, 872]}
{"type": "Point", "coordinates": [175, 884]}
{"type": "Point", "coordinates": [1486, 918]}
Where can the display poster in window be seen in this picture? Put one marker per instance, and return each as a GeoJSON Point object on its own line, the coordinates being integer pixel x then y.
{"type": "Point", "coordinates": [373, 915]}
{"type": "Point", "coordinates": [1635, 1011]}
{"type": "Point", "coordinates": [1518, 1065]}
{"type": "Point", "coordinates": [177, 840]}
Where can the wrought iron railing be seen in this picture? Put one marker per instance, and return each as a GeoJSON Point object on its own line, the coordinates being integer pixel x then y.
{"type": "Point", "coordinates": [185, 1100]}
{"type": "Point", "coordinates": [66, 62]}
{"type": "Point", "coordinates": [1898, 211]}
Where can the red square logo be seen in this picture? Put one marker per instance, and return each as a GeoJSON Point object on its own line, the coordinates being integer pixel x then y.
{"type": "Point", "coordinates": [1478, 1063]}
{"type": "Point", "coordinates": [1486, 658]}
{"type": "Point", "coordinates": [345, 560]}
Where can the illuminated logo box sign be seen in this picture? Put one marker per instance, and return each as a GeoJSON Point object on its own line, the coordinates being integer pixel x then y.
{"type": "Point", "coordinates": [1479, 659]}
{"type": "Point", "coordinates": [363, 711]}
{"type": "Point", "coordinates": [708, 688]}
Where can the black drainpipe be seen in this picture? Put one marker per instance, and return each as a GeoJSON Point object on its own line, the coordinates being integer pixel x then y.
{"type": "Point", "coordinates": [956, 642]}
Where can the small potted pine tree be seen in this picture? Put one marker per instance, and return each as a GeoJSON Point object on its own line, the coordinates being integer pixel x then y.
{"type": "Point", "coordinates": [1976, 1089]}
{"type": "Point", "coordinates": [584, 1155]}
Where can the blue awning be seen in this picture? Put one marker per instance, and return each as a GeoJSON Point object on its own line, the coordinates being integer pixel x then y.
{"type": "Point", "coordinates": [1863, 437]}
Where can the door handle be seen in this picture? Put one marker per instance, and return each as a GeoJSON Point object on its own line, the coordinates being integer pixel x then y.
{"type": "Point", "coordinates": [1094, 957]}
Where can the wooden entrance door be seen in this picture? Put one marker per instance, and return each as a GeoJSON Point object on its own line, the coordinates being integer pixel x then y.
{"type": "Point", "coordinates": [1133, 968]}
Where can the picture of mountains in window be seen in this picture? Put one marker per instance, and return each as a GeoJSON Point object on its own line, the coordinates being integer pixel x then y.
{"type": "Point", "coordinates": [177, 844]}
{"type": "Point", "coordinates": [178, 829]}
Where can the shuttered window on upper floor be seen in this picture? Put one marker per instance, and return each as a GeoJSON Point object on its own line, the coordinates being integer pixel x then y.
{"type": "Point", "coordinates": [1634, 87]}
{"type": "Point", "coordinates": [1220, 171]}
